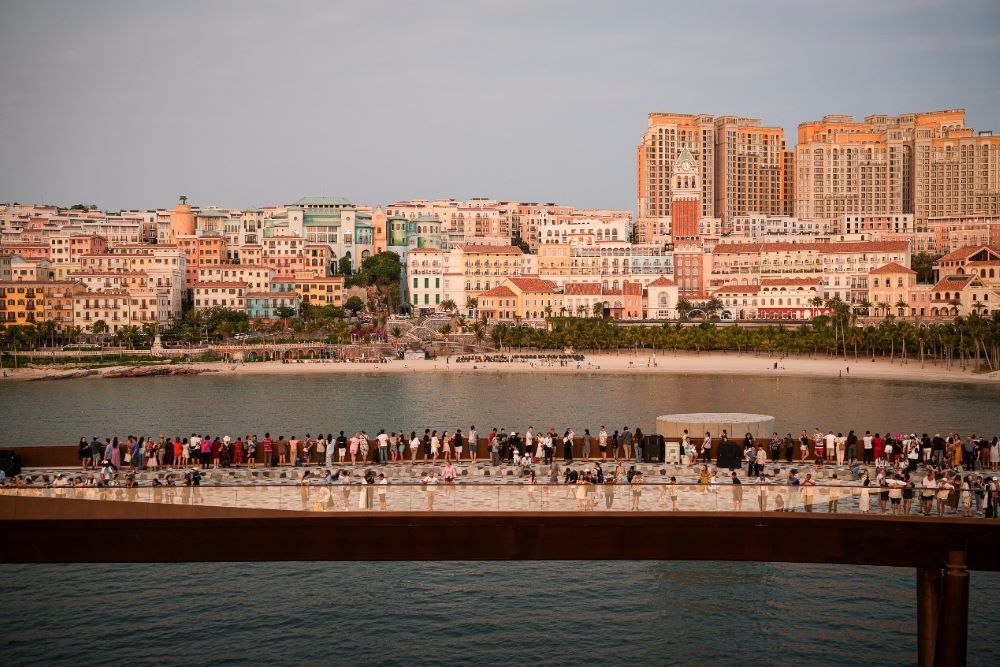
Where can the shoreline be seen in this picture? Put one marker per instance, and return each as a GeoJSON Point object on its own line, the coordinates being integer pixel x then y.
{"type": "Point", "coordinates": [680, 363]}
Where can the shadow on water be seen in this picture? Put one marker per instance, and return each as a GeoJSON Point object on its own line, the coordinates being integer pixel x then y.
{"type": "Point", "coordinates": [546, 613]}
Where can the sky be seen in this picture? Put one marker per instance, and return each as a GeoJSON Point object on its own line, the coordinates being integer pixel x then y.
{"type": "Point", "coordinates": [240, 104]}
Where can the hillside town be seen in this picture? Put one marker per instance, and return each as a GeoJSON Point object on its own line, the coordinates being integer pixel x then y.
{"type": "Point", "coordinates": [891, 216]}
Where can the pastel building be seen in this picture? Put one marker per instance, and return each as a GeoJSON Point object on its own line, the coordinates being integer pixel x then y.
{"type": "Point", "coordinates": [522, 298]}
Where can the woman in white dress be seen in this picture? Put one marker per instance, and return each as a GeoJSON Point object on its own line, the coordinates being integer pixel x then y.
{"type": "Point", "coordinates": [864, 502]}
{"type": "Point", "coordinates": [995, 454]}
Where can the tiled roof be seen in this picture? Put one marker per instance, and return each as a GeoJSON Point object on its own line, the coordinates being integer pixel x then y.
{"type": "Point", "coordinates": [829, 248]}
{"type": "Point", "coordinates": [789, 282]}
{"type": "Point", "coordinates": [490, 249]}
{"type": "Point", "coordinates": [501, 291]}
{"type": "Point", "coordinates": [632, 289]}
{"type": "Point", "coordinates": [663, 281]}
{"type": "Point", "coordinates": [582, 289]}
{"type": "Point", "coordinates": [218, 283]}
{"type": "Point", "coordinates": [892, 267]}
{"type": "Point", "coordinates": [323, 201]}
{"type": "Point", "coordinates": [966, 252]}
{"type": "Point", "coordinates": [532, 284]}
{"type": "Point", "coordinates": [738, 289]}
{"type": "Point", "coordinates": [953, 282]}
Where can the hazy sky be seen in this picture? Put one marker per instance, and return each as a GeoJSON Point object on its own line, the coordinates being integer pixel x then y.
{"type": "Point", "coordinates": [129, 104]}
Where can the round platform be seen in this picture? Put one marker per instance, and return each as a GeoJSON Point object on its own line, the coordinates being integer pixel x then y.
{"type": "Point", "coordinates": [736, 424]}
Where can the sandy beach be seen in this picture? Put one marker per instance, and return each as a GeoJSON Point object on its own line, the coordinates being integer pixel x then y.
{"type": "Point", "coordinates": [625, 363]}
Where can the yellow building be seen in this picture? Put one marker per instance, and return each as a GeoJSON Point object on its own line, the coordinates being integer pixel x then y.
{"type": "Point", "coordinates": [486, 266]}
{"type": "Point", "coordinates": [30, 302]}
{"type": "Point", "coordinates": [524, 298]}
{"type": "Point", "coordinates": [889, 286]}
{"type": "Point", "coordinates": [316, 290]}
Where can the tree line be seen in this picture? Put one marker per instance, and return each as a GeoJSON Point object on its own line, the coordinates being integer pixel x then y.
{"type": "Point", "coordinates": [972, 341]}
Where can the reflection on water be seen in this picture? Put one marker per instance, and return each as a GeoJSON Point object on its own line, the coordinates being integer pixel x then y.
{"type": "Point", "coordinates": [553, 613]}
{"type": "Point", "coordinates": [59, 412]}
{"type": "Point", "coordinates": [472, 613]}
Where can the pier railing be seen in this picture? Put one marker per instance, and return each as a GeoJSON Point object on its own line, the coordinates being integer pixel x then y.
{"type": "Point", "coordinates": [412, 496]}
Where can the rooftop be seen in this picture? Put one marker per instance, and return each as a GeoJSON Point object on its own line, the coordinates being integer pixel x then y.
{"type": "Point", "coordinates": [333, 202]}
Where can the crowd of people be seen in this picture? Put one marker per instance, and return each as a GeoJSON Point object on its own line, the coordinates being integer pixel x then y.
{"type": "Point", "coordinates": [898, 472]}
{"type": "Point", "coordinates": [561, 359]}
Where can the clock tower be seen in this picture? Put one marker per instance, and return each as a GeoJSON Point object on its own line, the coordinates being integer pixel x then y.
{"type": "Point", "coordinates": [685, 218]}
{"type": "Point", "coordinates": [685, 198]}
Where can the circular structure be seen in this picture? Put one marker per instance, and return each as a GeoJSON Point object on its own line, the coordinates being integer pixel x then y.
{"type": "Point", "coordinates": [736, 424]}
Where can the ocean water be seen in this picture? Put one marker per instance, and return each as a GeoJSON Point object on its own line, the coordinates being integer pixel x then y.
{"type": "Point", "coordinates": [450, 613]}
{"type": "Point", "coordinates": [60, 412]}
{"type": "Point", "coordinates": [551, 613]}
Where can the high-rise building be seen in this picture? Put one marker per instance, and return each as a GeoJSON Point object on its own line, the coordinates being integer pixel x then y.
{"type": "Point", "coordinates": [666, 135]}
{"type": "Point", "coordinates": [741, 162]}
{"type": "Point", "coordinates": [749, 168]}
{"type": "Point", "coordinates": [956, 171]}
{"type": "Point", "coordinates": [845, 168]}
{"type": "Point", "coordinates": [929, 164]}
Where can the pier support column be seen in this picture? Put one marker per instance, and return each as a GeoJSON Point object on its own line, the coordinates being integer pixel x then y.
{"type": "Point", "coordinates": [953, 617]}
{"type": "Point", "coordinates": [928, 600]}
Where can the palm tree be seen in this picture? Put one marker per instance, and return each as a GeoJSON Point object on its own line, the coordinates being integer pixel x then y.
{"type": "Point", "coordinates": [448, 305]}
{"type": "Point", "coordinates": [479, 332]}
{"type": "Point", "coordinates": [684, 308]}
{"type": "Point", "coordinates": [598, 309]}
{"type": "Point", "coordinates": [713, 306]}
{"type": "Point", "coordinates": [127, 335]}
{"type": "Point", "coordinates": [46, 329]}
{"type": "Point", "coordinates": [99, 328]}
{"type": "Point", "coordinates": [73, 333]}
{"type": "Point", "coordinates": [901, 307]}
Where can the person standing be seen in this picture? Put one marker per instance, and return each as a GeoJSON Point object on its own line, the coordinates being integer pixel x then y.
{"type": "Point", "coordinates": [331, 446]}
{"type": "Point", "coordinates": [834, 501]}
{"type": "Point", "coordinates": [761, 458]}
{"type": "Point", "coordinates": [864, 500]}
{"type": "Point", "coordinates": [459, 444]}
{"type": "Point", "coordinates": [430, 482]}
{"type": "Point", "coordinates": [804, 447]}
{"type": "Point", "coordinates": [750, 456]}
{"type": "Point", "coordinates": [602, 442]}
{"type": "Point", "coordinates": [414, 445]}
{"type": "Point", "coordinates": [627, 442]}
{"type": "Point", "coordinates": [341, 447]}
{"type": "Point", "coordinates": [852, 446]}
{"type": "Point", "coordinates": [762, 491]}
{"type": "Point", "coordinates": [869, 451]}
{"type": "Point", "coordinates": [706, 448]}
{"type": "Point", "coordinates": [585, 449]}
{"type": "Point", "coordinates": [473, 443]}
{"type": "Point", "coordinates": [636, 486]}
{"type": "Point", "coordinates": [808, 489]}
{"type": "Point", "coordinates": [737, 492]}
{"type": "Point", "coordinates": [383, 446]}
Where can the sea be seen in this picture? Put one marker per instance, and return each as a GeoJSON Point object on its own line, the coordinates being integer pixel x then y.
{"type": "Point", "coordinates": [473, 613]}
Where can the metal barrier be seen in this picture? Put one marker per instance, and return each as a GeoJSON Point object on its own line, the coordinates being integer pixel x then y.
{"type": "Point", "coordinates": [523, 496]}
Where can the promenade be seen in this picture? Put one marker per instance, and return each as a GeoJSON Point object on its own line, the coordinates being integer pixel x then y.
{"type": "Point", "coordinates": [481, 487]}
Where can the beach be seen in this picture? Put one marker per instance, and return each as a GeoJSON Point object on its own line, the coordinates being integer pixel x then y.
{"type": "Point", "coordinates": [681, 363]}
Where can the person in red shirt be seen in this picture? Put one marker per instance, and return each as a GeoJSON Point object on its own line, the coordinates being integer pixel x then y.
{"type": "Point", "coordinates": [878, 444]}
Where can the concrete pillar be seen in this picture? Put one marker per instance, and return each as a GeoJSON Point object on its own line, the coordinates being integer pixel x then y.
{"type": "Point", "coordinates": [928, 600]}
{"type": "Point", "coordinates": [953, 621]}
